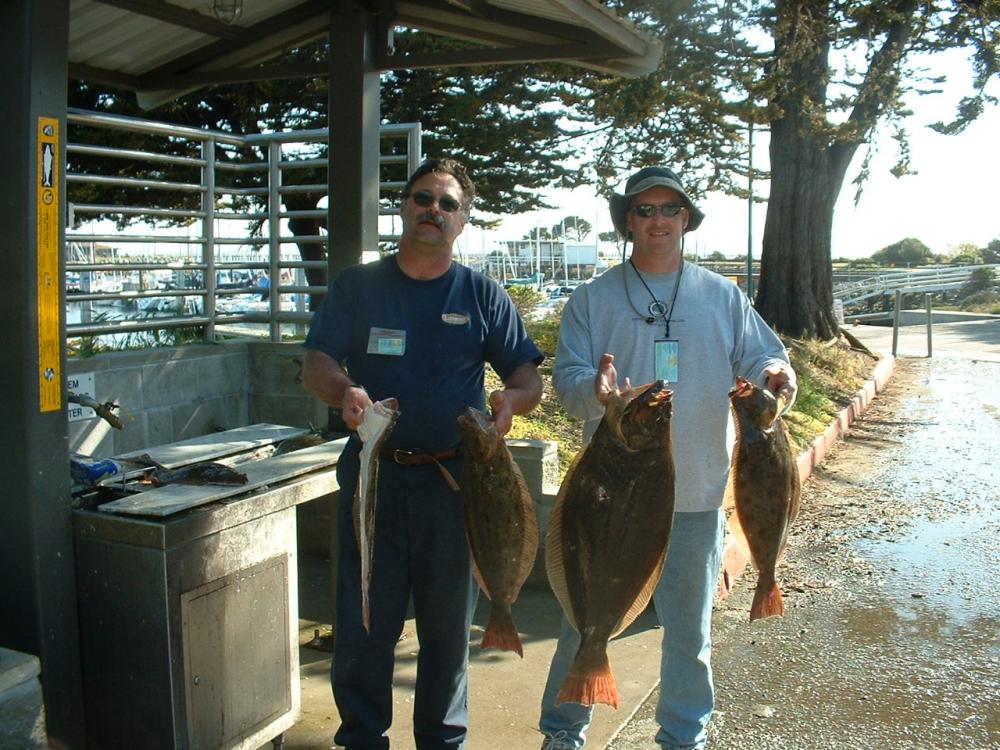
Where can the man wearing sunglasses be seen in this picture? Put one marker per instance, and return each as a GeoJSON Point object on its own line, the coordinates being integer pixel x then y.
{"type": "Point", "coordinates": [658, 316]}
{"type": "Point", "coordinates": [417, 327]}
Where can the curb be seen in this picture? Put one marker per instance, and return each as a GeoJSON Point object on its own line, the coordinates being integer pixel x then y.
{"type": "Point", "coordinates": [733, 559]}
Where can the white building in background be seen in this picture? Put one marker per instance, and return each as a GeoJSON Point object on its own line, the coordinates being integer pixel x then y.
{"type": "Point", "coordinates": [556, 260]}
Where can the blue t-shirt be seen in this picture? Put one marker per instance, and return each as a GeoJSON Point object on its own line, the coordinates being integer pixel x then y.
{"type": "Point", "coordinates": [422, 342]}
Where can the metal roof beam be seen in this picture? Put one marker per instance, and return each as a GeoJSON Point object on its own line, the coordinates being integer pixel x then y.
{"type": "Point", "coordinates": [258, 32]}
{"type": "Point", "coordinates": [175, 16]}
{"type": "Point", "coordinates": [531, 53]}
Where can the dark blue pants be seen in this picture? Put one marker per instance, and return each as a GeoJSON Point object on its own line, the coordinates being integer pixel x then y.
{"type": "Point", "coordinates": [420, 552]}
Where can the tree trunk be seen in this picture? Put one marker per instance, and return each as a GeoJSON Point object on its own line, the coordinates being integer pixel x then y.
{"type": "Point", "coordinates": [308, 226]}
{"type": "Point", "coordinates": [795, 293]}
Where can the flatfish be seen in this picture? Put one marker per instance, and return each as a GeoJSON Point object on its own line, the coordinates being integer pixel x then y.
{"type": "Point", "coordinates": [292, 444]}
{"type": "Point", "coordinates": [204, 472]}
{"type": "Point", "coordinates": [765, 489]}
{"type": "Point", "coordinates": [500, 522]}
{"type": "Point", "coordinates": [609, 532]}
{"type": "Point", "coordinates": [376, 426]}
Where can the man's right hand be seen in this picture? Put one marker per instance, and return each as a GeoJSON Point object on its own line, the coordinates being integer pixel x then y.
{"type": "Point", "coordinates": [353, 405]}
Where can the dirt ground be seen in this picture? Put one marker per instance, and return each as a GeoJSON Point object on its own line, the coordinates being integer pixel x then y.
{"type": "Point", "coordinates": [890, 637]}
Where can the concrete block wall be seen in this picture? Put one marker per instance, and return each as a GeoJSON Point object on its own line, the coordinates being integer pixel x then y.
{"type": "Point", "coordinates": [275, 383]}
{"type": "Point", "coordinates": [165, 395]}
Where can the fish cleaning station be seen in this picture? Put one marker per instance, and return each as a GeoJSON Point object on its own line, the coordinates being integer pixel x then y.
{"type": "Point", "coordinates": [139, 612]}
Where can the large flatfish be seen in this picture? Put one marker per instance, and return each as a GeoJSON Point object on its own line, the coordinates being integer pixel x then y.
{"type": "Point", "coordinates": [500, 523]}
{"type": "Point", "coordinates": [376, 425]}
{"type": "Point", "coordinates": [765, 489]}
{"type": "Point", "coordinates": [609, 532]}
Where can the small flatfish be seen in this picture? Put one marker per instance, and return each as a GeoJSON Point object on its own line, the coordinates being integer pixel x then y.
{"type": "Point", "coordinates": [765, 489]}
{"type": "Point", "coordinates": [376, 426]}
{"type": "Point", "coordinates": [500, 522]}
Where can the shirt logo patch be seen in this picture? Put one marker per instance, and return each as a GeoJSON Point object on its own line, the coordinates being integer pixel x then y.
{"type": "Point", "coordinates": [455, 319]}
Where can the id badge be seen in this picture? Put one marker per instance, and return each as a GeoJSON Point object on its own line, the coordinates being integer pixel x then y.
{"type": "Point", "coordinates": [387, 341]}
{"type": "Point", "coordinates": [666, 360]}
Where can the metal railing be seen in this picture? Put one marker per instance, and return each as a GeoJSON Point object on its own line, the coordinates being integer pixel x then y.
{"type": "Point", "coordinates": [937, 279]}
{"type": "Point", "coordinates": [198, 234]}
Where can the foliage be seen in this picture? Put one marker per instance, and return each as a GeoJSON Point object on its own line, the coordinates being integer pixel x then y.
{"type": "Point", "coordinates": [986, 301]}
{"type": "Point", "coordinates": [525, 298]}
{"type": "Point", "coordinates": [83, 347]}
{"type": "Point", "coordinates": [908, 252]}
{"type": "Point", "coordinates": [980, 280]}
{"type": "Point", "coordinates": [573, 227]}
{"type": "Point", "coordinates": [991, 253]}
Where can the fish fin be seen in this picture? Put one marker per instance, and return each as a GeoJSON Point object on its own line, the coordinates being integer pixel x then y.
{"type": "Point", "coordinates": [145, 460]}
{"type": "Point", "coordinates": [596, 685]}
{"type": "Point", "coordinates": [767, 602]}
{"type": "Point", "coordinates": [555, 566]}
{"type": "Point", "coordinates": [729, 496]}
{"type": "Point", "coordinates": [642, 600]}
{"type": "Point", "coordinates": [501, 632]}
{"type": "Point", "coordinates": [476, 572]}
{"type": "Point", "coordinates": [739, 535]}
{"type": "Point", "coordinates": [531, 530]}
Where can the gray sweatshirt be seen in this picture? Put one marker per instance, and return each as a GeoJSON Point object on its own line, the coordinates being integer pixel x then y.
{"type": "Point", "coordinates": [719, 337]}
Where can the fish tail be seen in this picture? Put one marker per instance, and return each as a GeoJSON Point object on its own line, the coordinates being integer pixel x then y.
{"type": "Point", "coordinates": [595, 684]}
{"type": "Point", "coordinates": [767, 601]}
{"type": "Point", "coordinates": [501, 632]}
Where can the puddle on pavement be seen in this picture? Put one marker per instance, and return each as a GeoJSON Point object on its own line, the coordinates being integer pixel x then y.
{"type": "Point", "coordinates": [947, 459]}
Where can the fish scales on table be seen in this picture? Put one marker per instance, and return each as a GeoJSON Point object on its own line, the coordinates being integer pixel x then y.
{"type": "Point", "coordinates": [500, 522]}
{"type": "Point", "coordinates": [609, 532]}
{"type": "Point", "coordinates": [376, 425]}
{"type": "Point", "coordinates": [765, 489]}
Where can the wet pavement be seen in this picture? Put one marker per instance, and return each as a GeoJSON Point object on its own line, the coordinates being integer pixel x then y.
{"type": "Point", "coordinates": [891, 636]}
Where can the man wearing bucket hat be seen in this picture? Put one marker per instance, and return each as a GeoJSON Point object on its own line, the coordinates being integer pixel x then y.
{"type": "Point", "coordinates": [657, 316]}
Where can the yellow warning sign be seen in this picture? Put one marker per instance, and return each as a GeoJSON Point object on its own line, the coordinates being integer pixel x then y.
{"type": "Point", "coordinates": [49, 313]}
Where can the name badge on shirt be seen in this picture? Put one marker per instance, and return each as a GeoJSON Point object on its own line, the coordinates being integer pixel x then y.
{"type": "Point", "coordinates": [387, 341]}
{"type": "Point", "coordinates": [666, 360]}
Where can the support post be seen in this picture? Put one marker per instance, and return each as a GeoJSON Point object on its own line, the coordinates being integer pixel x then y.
{"type": "Point", "coordinates": [930, 316]}
{"type": "Point", "coordinates": [895, 320]}
{"type": "Point", "coordinates": [38, 596]}
{"type": "Point", "coordinates": [354, 120]}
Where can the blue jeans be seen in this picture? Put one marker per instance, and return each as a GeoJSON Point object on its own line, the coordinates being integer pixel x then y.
{"type": "Point", "coordinates": [420, 551]}
{"type": "Point", "coordinates": [683, 600]}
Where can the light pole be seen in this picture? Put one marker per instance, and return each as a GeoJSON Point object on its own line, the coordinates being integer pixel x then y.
{"type": "Point", "coordinates": [750, 216]}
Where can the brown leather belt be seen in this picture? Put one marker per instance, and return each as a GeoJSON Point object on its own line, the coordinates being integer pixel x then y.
{"type": "Point", "coordinates": [411, 458]}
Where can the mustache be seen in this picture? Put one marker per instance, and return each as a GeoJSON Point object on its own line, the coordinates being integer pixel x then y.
{"type": "Point", "coordinates": [437, 219]}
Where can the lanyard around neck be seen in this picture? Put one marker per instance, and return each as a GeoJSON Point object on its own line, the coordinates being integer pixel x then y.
{"type": "Point", "coordinates": [657, 308]}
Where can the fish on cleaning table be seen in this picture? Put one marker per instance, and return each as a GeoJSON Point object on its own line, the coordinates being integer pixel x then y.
{"type": "Point", "coordinates": [765, 489]}
{"type": "Point", "coordinates": [500, 522]}
{"type": "Point", "coordinates": [292, 444]}
{"type": "Point", "coordinates": [205, 472]}
{"type": "Point", "coordinates": [376, 425]}
{"type": "Point", "coordinates": [609, 532]}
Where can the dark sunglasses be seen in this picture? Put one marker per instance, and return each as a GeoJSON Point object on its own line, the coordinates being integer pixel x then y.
{"type": "Point", "coordinates": [426, 199]}
{"type": "Point", "coordinates": [648, 210]}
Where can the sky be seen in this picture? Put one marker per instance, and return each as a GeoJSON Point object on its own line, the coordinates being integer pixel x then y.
{"type": "Point", "coordinates": [952, 198]}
